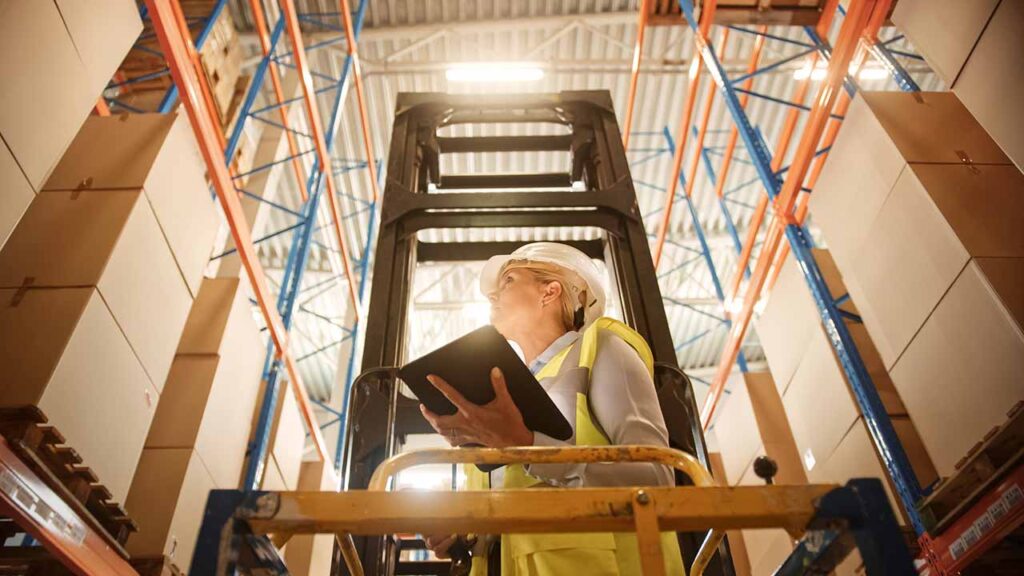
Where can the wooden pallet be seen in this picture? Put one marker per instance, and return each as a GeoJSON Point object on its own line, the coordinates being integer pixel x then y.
{"type": "Point", "coordinates": [985, 464]}
{"type": "Point", "coordinates": [44, 449]}
{"type": "Point", "coordinates": [36, 561]}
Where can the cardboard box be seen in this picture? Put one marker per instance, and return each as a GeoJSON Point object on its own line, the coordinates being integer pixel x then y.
{"type": "Point", "coordinates": [45, 94]}
{"type": "Point", "coordinates": [943, 31]}
{"type": "Point", "coordinates": [993, 75]}
{"type": "Point", "coordinates": [63, 352]}
{"type": "Point", "coordinates": [288, 440]}
{"type": "Point", "coordinates": [167, 501]}
{"type": "Point", "coordinates": [15, 193]}
{"type": "Point", "coordinates": [221, 318]}
{"type": "Point", "coordinates": [311, 555]}
{"type": "Point", "coordinates": [210, 394]}
{"type": "Point", "coordinates": [206, 405]}
{"type": "Point", "coordinates": [791, 314]}
{"type": "Point", "coordinates": [882, 132]}
{"type": "Point", "coordinates": [737, 548]}
{"type": "Point", "coordinates": [103, 33]}
{"type": "Point", "coordinates": [937, 217]}
{"type": "Point", "coordinates": [819, 388]}
{"type": "Point", "coordinates": [272, 478]}
{"type": "Point", "coordinates": [855, 457]}
{"type": "Point", "coordinates": [156, 153]}
{"type": "Point", "coordinates": [767, 548]}
{"type": "Point", "coordinates": [962, 371]}
{"type": "Point", "coordinates": [108, 239]}
{"type": "Point", "coordinates": [753, 423]}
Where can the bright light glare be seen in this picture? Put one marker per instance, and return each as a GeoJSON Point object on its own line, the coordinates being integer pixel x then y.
{"type": "Point", "coordinates": [867, 72]}
{"type": "Point", "coordinates": [479, 311]}
{"type": "Point", "coordinates": [494, 72]}
{"type": "Point", "coordinates": [873, 73]}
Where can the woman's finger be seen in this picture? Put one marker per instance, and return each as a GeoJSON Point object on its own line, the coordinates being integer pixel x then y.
{"type": "Point", "coordinates": [439, 545]}
{"type": "Point", "coordinates": [499, 384]}
{"type": "Point", "coordinates": [451, 394]}
{"type": "Point", "coordinates": [431, 418]}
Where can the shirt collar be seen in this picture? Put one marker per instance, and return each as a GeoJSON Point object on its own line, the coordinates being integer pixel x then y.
{"type": "Point", "coordinates": [551, 351]}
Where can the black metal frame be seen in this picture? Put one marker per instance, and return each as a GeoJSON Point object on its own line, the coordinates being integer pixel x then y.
{"type": "Point", "coordinates": [378, 415]}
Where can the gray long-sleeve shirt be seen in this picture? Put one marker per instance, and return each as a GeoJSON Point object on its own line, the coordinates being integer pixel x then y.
{"type": "Point", "coordinates": [624, 403]}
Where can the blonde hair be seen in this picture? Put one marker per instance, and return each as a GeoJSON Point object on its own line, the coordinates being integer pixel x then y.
{"type": "Point", "coordinates": [574, 288]}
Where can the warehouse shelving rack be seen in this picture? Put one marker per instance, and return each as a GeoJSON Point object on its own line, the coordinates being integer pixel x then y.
{"type": "Point", "coordinates": [25, 497]}
{"type": "Point", "coordinates": [786, 194]}
{"type": "Point", "coordinates": [959, 542]}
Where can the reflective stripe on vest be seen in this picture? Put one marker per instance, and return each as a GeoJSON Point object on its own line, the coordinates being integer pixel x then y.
{"type": "Point", "coordinates": [554, 554]}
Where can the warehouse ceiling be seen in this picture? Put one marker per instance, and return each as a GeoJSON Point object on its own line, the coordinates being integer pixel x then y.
{"type": "Point", "coordinates": [407, 46]}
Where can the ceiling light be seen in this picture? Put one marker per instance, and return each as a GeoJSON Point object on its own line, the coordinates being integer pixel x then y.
{"type": "Point", "coordinates": [820, 71]}
{"type": "Point", "coordinates": [494, 72]}
{"type": "Point", "coordinates": [873, 73]}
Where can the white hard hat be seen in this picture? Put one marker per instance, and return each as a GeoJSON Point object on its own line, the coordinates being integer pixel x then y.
{"type": "Point", "coordinates": [560, 255]}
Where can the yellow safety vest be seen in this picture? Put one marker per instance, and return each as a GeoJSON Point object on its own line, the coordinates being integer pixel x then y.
{"type": "Point", "coordinates": [603, 554]}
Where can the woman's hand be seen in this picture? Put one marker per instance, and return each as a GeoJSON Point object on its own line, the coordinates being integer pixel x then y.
{"type": "Point", "coordinates": [497, 424]}
{"type": "Point", "coordinates": [440, 544]}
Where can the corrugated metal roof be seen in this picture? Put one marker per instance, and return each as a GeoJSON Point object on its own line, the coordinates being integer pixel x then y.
{"type": "Point", "coordinates": [581, 45]}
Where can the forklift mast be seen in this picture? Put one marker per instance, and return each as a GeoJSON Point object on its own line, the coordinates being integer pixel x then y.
{"type": "Point", "coordinates": [417, 196]}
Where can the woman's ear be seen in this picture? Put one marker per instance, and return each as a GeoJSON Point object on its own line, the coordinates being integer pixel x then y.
{"type": "Point", "coordinates": [552, 292]}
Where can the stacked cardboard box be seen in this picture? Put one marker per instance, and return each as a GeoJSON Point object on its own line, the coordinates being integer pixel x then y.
{"type": "Point", "coordinates": [64, 352]}
{"type": "Point", "coordinates": [287, 443]}
{"type": "Point", "coordinates": [974, 47]}
{"type": "Point", "coordinates": [57, 60]}
{"type": "Point", "coordinates": [311, 555]}
{"type": "Point", "coordinates": [766, 549]}
{"type": "Point", "coordinates": [753, 423]}
{"type": "Point", "coordinates": [737, 547]}
{"type": "Point", "coordinates": [920, 206]}
{"type": "Point", "coordinates": [103, 33]}
{"type": "Point", "coordinates": [198, 438]}
{"type": "Point", "coordinates": [220, 57]}
{"type": "Point", "coordinates": [156, 153]}
{"type": "Point", "coordinates": [15, 193]}
{"type": "Point", "coordinates": [791, 316]}
{"type": "Point", "coordinates": [817, 400]}
{"type": "Point", "coordinates": [109, 241]}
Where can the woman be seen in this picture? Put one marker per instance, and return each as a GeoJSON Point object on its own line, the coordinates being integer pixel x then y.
{"type": "Point", "coordinates": [548, 299]}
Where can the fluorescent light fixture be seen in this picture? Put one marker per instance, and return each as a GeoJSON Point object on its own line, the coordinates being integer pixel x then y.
{"type": "Point", "coordinates": [494, 72]}
{"type": "Point", "coordinates": [867, 72]}
{"type": "Point", "coordinates": [873, 73]}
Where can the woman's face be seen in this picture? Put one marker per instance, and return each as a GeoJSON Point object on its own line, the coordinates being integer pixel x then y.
{"type": "Point", "coordinates": [517, 304]}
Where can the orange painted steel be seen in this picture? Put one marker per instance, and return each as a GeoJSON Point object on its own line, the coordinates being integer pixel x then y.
{"type": "Point", "coordinates": [174, 40]}
{"type": "Point", "coordinates": [291, 20]}
{"type": "Point", "coordinates": [35, 508]}
{"type": "Point", "coordinates": [260, 26]}
{"type": "Point", "coordinates": [101, 108]}
{"type": "Point", "coordinates": [693, 84]}
{"type": "Point", "coordinates": [853, 27]}
{"type": "Point", "coordinates": [197, 64]}
{"type": "Point", "coordinates": [869, 37]}
{"type": "Point", "coordinates": [634, 79]}
{"type": "Point", "coordinates": [705, 117]}
{"type": "Point", "coordinates": [357, 76]}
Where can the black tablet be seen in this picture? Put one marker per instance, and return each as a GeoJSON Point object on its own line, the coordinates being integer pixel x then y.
{"type": "Point", "coordinates": [466, 364]}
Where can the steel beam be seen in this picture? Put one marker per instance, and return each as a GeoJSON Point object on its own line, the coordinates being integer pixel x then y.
{"type": "Point", "coordinates": [174, 41]}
